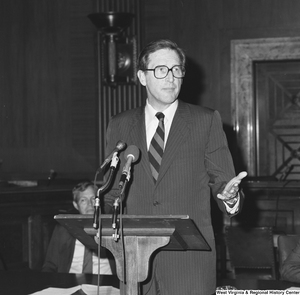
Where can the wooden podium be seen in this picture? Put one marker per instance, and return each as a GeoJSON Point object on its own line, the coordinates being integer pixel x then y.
{"type": "Point", "coordinates": [142, 235]}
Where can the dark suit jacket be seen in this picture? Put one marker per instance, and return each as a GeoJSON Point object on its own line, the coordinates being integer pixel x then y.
{"type": "Point", "coordinates": [290, 269]}
{"type": "Point", "coordinates": [195, 163]}
{"type": "Point", "coordinates": [60, 251]}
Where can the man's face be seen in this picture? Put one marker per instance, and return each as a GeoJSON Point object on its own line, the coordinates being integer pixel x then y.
{"type": "Point", "coordinates": [161, 92]}
{"type": "Point", "coordinates": [85, 201]}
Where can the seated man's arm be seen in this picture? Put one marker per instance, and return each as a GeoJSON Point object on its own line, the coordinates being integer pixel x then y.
{"type": "Point", "coordinates": [51, 260]}
{"type": "Point", "coordinates": [290, 270]}
{"type": "Point", "coordinates": [60, 251]}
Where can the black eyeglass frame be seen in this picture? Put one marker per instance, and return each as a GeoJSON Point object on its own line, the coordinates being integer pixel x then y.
{"type": "Point", "coordinates": [163, 66]}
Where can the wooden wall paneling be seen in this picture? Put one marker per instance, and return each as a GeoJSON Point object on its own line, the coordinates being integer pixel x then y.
{"type": "Point", "coordinates": [198, 38]}
{"type": "Point", "coordinates": [14, 243]}
{"type": "Point", "coordinates": [156, 20]}
{"type": "Point", "coordinates": [191, 26]}
{"type": "Point", "coordinates": [48, 78]}
{"type": "Point", "coordinates": [26, 223]}
{"type": "Point", "coordinates": [83, 62]}
{"type": "Point", "coordinates": [33, 82]}
{"type": "Point", "coordinates": [260, 14]}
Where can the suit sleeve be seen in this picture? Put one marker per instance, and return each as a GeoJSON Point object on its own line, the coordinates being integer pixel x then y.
{"type": "Point", "coordinates": [52, 256]}
{"type": "Point", "coordinates": [218, 161]}
{"type": "Point", "coordinates": [60, 251]}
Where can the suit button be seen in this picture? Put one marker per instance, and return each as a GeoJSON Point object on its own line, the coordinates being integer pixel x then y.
{"type": "Point", "coordinates": [155, 203]}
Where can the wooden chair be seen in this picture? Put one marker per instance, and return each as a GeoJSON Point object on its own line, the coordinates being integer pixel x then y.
{"type": "Point", "coordinates": [39, 234]}
{"type": "Point", "coordinates": [285, 245]}
{"type": "Point", "coordinates": [251, 252]}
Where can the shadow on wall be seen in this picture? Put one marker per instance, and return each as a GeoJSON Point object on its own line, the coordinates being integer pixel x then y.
{"type": "Point", "coordinates": [193, 83]}
{"type": "Point", "coordinates": [234, 147]}
{"type": "Point", "coordinates": [192, 89]}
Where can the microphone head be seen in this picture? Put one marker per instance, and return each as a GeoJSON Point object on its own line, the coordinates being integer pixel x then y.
{"type": "Point", "coordinates": [132, 151]}
{"type": "Point", "coordinates": [121, 145]}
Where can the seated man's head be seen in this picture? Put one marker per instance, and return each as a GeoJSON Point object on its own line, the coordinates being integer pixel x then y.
{"type": "Point", "coordinates": [84, 197]}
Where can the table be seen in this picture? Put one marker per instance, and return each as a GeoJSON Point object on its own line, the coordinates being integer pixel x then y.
{"type": "Point", "coordinates": [254, 284]}
{"type": "Point", "coordinates": [27, 282]}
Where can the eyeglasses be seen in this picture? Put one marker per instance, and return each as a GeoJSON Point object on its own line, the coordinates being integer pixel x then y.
{"type": "Point", "coordinates": [161, 72]}
{"type": "Point", "coordinates": [85, 201]}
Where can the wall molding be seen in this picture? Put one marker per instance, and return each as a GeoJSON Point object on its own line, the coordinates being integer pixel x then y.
{"type": "Point", "coordinates": [243, 54]}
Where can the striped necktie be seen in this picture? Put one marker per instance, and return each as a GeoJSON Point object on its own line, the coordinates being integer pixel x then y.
{"type": "Point", "coordinates": [156, 148]}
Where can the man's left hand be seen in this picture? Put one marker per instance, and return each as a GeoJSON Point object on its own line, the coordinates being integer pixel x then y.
{"type": "Point", "coordinates": [229, 194]}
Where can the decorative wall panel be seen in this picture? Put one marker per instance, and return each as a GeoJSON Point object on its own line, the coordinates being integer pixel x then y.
{"type": "Point", "coordinates": [243, 54]}
{"type": "Point", "coordinates": [277, 91]}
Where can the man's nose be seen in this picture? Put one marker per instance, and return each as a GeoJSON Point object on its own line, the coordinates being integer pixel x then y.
{"type": "Point", "coordinates": [170, 76]}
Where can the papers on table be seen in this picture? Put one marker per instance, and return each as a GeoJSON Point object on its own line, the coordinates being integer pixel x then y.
{"type": "Point", "coordinates": [87, 289]}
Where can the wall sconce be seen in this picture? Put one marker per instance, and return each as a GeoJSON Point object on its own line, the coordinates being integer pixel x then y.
{"type": "Point", "coordinates": [118, 52]}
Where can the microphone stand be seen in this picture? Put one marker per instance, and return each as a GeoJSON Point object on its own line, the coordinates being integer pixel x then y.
{"type": "Point", "coordinates": [113, 165]}
{"type": "Point", "coordinates": [116, 208]}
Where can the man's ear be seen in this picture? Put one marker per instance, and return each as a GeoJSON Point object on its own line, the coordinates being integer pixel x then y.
{"type": "Point", "coordinates": [75, 205]}
{"type": "Point", "coordinates": [142, 77]}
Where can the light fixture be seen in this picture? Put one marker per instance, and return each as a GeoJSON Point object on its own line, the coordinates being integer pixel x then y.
{"type": "Point", "coordinates": [118, 51]}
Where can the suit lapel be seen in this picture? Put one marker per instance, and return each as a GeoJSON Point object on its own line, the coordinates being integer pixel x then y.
{"type": "Point", "coordinates": [179, 131]}
{"type": "Point", "coordinates": [178, 134]}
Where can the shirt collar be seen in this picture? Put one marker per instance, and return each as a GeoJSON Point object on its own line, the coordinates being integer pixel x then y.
{"type": "Point", "coordinates": [169, 112]}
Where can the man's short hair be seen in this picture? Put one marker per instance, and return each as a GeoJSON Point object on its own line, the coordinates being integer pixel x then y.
{"type": "Point", "coordinates": [81, 187]}
{"type": "Point", "coordinates": [143, 59]}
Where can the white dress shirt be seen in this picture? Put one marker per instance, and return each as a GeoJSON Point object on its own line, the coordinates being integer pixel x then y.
{"type": "Point", "coordinates": [152, 121]}
{"type": "Point", "coordinates": [77, 262]}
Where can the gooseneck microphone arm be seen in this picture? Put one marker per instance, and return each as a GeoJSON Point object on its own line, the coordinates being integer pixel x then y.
{"type": "Point", "coordinates": [131, 155]}
{"type": "Point", "coordinates": [118, 200]}
{"type": "Point", "coordinates": [114, 163]}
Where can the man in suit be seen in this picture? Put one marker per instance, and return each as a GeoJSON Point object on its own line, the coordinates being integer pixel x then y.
{"type": "Point", "coordinates": [290, 269]}
{"type": "Point", "coordinates": [195, 163]}
{"type": "Point", "coordinates": [65, 254]}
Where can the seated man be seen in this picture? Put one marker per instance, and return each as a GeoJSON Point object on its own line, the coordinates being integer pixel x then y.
{"type": "Point", "coordinates": [65, 253]}
{"type": "Point", "coordinates": [290, 270]}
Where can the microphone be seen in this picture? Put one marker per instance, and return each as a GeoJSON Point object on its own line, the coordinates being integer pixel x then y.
{"type": "Point", "coordinates": [115, 213]}
{"type": "Point", "coordinates": [131, 155]}
{"type": "Point", "coordinates": [119, 147]}
{"type": "Point", "coordinates": [113, 165]}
